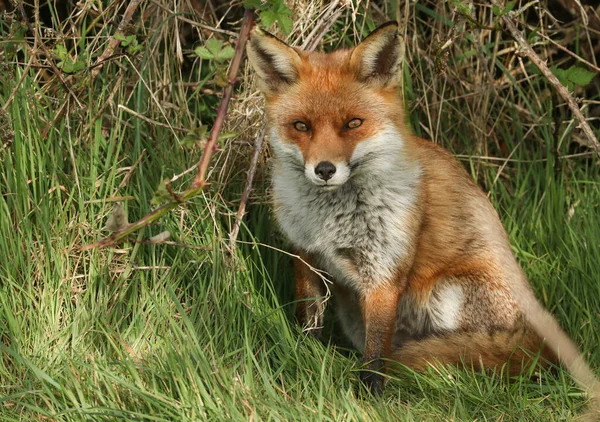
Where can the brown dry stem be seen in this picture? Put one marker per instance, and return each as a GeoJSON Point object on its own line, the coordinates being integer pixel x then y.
{"type": "Point", "coordinates": [590, 139]}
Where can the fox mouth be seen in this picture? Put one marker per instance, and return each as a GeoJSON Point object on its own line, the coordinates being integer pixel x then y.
{"type": "Point", "coordinates": [328, 187]}
{"type": "Point", "coordinates": [327, 175]}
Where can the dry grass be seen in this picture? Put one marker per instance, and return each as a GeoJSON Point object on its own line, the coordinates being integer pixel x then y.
{"type": "Point", "coordinates": [178, 331]}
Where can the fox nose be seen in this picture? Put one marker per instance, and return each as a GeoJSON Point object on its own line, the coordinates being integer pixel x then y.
{"type": "Point", "coordinates": [325, 170]}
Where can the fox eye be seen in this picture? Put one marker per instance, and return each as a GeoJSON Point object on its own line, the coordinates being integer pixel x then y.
{"type": "Point", "coordinates": [354, 123]}
{"type": "Point", "coordinates": [300, 126]}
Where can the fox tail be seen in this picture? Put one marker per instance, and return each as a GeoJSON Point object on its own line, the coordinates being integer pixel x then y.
{"type": "Point", "coordinates": [517, 349]}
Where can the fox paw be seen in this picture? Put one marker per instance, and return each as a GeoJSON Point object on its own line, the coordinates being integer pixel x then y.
{"type": "Point", "coordinates": [373, 381]}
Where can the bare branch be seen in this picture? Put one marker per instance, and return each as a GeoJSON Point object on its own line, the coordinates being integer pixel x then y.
{"type": "Point", "coordinates": [211, 145]}
{"type": "Point", "coordinates": [258, 147]}
{"type": "Point", "coordinates": [590, 139]}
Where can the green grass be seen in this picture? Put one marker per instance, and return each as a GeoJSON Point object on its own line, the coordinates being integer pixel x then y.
{"type": "Point", "coordinates": [172, 333]}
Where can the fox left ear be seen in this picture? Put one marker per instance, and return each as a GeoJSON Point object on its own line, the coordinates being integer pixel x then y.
{"type": "Point", "coordinates": [379, 56]}
{"type": "Point", "coordinates": [276, 63]}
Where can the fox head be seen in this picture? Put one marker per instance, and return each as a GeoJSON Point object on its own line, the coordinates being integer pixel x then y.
{"type": "Point", "coordinates": [334, 115]}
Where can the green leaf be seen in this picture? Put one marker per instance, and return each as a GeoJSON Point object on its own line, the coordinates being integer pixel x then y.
{"type": "Point", "coordinates": [573, 76]}
{"type": "Point", "coordinates": [508, 8]}
{"type": "Point", "coordinates": [162, 194]}
{"type": "Point", "coordinates": [501, 12]}
{"type": "Point", "coordinates": [203, 53]}
{"type": "Point", "coordinates": [580, 76]}
{"type": "Point", "coordinates": [227, 135]}
{"type": "Point", "coordinates": [252, 4]}
{"type": "Point", "coordinates": [61, 52]}
{"type": "Point", "coordinates": [268, 18]}
{"type": "Point", "coordinates": [226, 54]}
{"type": "Point", "coordinates": [125, 40]}
{"type": "Point", "coordinates": [134, 48]}
{"type": "Point", "coordinates": [560, 74]}
{"type": "Point", "coordinates": [214, 46]}
{"type": "Point", "coordinates": [286, 24]}
{"type": "Point", "coordinates": [533, 36]}
{"type": "Point", "coordinates": [278, 6]}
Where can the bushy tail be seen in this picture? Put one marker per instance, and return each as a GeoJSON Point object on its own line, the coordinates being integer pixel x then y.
{"type": "Point", "coordinates": [561, 344]}
{"type": "Point", "coordinates": [517, 349]}
{"type": "Point", "coordinates": [510, 347]}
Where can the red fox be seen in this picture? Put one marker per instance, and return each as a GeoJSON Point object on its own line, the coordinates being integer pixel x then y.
{"type": "Point", "coordinates": [422, 269]}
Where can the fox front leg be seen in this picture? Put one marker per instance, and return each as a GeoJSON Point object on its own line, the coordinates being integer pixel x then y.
{"type": "Point", "coordinates": [310, 296]}
{"type": "Point", "coordinates": [379, 309]}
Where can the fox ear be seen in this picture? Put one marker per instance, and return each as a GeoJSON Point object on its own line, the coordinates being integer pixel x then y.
{"type": "Point", "coordinates": [379, 56]}
{"type": "Point", "coordinates": [275, 62]}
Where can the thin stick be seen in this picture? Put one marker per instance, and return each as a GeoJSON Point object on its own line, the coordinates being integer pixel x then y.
{"type": "Point", "coordinates": [589, 139]}
{"type": "Point", "coordinates": [309, 43]}
{"type": "Point", "coordinates": [211, 145]}
{"type": "Point", "coordinates": [258, 146]}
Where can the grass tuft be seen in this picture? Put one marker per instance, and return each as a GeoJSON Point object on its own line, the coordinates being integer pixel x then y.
{"type": "Point", "coordinates": [185, 331]}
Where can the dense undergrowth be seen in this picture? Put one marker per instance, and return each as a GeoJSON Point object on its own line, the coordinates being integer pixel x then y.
{"type": "Point", "coordinates": [187, 331]}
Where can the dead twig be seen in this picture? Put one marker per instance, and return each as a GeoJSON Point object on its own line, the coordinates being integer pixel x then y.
{"type": "Point", "coordinates": [211, 145]}
{"type": "Point", "coordinates": [258, 147]}
{"type": "Point", "coordinates": [590, 139]}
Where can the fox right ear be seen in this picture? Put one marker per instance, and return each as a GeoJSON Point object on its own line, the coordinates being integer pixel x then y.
{"type": "Point", "coordinates": [379, 56]}
{"type": "Point", "coordinates": [275, 62]}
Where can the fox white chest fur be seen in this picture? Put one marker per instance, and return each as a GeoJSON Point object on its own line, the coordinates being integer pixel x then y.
{"type": "Point", "coordinates": [357, 231]}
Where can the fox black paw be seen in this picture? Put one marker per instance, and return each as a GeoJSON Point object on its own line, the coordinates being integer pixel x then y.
{"type": "Point", "coordinates": [373, 381]}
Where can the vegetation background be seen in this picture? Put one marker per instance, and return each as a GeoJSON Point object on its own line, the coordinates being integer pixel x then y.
{"type": "Point", "coordinates": [189, 329]}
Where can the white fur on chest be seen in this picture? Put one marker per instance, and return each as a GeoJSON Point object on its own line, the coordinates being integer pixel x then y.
{"type": "Point", "coordinates": [358, 232]}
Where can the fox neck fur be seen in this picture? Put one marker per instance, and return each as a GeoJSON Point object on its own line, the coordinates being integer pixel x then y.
{"type": "Point", "coordinates": [356, 229]}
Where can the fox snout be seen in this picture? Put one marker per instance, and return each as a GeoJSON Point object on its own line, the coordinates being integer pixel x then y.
{"type": "Point", "coordinates": [325, 170]}
{"type": "Point", "coordinates": [327, 174]}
